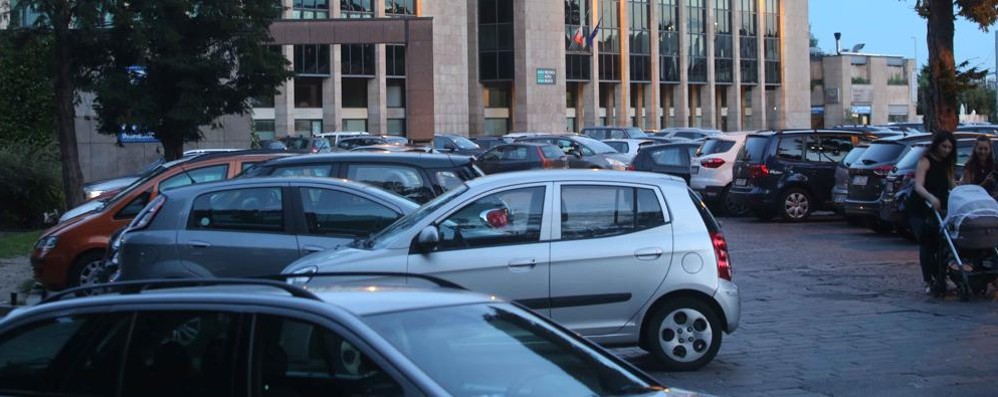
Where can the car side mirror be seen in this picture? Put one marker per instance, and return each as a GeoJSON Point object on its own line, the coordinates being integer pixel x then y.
{"type": "Point", "coordinates": [428, 239]}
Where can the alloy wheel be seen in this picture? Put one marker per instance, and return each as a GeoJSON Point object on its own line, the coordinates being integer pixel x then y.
{"type": "Point", "coordinates": [796, 205]}
{"type": "Point", "coordinates": [685, 335]}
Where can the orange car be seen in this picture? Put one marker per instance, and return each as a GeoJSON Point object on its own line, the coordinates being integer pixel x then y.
{"type": "Point", "coordinates": [70, 253]}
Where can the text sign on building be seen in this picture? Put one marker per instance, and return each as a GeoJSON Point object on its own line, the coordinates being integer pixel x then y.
{"type": "Point", "coordinates": [862, 94]}
{"type": "Point", "coordinates": [545, 76]}
{"type": "Point", "coordinates": [831, 95]}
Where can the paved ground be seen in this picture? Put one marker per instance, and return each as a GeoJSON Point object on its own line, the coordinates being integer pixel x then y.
{"type": "Point", "coordinates": [833, 310]}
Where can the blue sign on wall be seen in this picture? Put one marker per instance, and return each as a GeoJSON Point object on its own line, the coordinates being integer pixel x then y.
{"type": "Point", "coordinates": [133, 134]}
{"type": "Point", "coordinates": [546, 76]}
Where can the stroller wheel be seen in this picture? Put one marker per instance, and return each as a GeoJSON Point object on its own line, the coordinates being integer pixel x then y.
{"type": "Point", "coordinates": [963, 290]}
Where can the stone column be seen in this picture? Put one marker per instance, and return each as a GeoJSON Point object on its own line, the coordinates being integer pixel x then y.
{"type": "Point", "coordinates": [668, 100]}
{"type": "Point", "coordinates": [332, 86]}
{"type": "Point", "coordinates": [284, 102]}
{"type": "Point", "coordinates": [795, 87]}
{"type": "Point", "coordinates": [590, 91]}
{"type": "Point", "coordinates": [476, 104]}
{"type": "Point", "coordinates": [377, 89]}
{"type": "Point", "coordinates": [759, 92]}
{"type": "Point", "coordinates": [652, 94]}
{"type": "Point", "coordinates": [682, 93]}
{"type": "Point", "coordinates": [538, 44]}
{"type": "Point", "coordinates": [450, 62]}
{"type": "Point", "coordinates": [708, 94]}
{"type": "Point", "coordinates": [735, 91]}
{"type": "Point", "coordinates": [623, 91]}
{"type": "Point", "coordinates": [639, 106]}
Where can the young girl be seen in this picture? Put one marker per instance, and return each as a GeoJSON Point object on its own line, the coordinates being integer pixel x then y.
{"type": "Point", "coordinates": [933, 180]}
{"type": "Point", "coordinates": [980, 165]}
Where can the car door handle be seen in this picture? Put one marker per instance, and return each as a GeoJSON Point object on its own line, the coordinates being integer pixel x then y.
{"type": "Point", "coordinates": [522, 264]}
{"type": "Point", "coordinates": [311, 249]}
{"type": "Point", "coordinates": [648, 254]}
{"type": "Point", "coordinates": [199, 244]}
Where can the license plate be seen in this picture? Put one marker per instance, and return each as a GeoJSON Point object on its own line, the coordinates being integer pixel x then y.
{"type": "Point", "coordinates": [840, 198]}
{"type": "Point", "coordinates": [694, 170]}
{"type": "Point", "coordinates": [740, 182]}
{"type": "Point", "coordinates": [860, 180]}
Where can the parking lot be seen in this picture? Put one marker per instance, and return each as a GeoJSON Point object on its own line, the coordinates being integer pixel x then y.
{"type": "Point", "coordinates": [829, 309]}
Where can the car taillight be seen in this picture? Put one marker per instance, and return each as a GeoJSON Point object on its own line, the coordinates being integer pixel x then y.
{"type": "Point", "coordinates": [147, 214]}
{"type": "Point", "coordinates": [712, 163]}
{"type": "Point", "coordinates": [721, 252]}
{"type": "Point", "coordinates": [631, 167]}
{"type": "Point", "coordinates": [756, 171]}
{"type": "Point", "coordinates": [882, 171]}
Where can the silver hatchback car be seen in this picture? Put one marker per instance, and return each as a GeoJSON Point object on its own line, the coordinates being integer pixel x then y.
{"type": "Point", "coordinates": [624, 258]}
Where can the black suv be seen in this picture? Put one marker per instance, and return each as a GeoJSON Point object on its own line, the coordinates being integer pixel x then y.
{"type": "Point", "coordinates": [417, 176]}
{"type": "Point", "coordinates": [791, 173]}
{"type": "Point", "coordinates": [867, 175]}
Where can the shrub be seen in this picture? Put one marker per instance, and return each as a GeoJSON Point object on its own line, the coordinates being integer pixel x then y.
{"type": "Point", "coordinates": [30, 185]}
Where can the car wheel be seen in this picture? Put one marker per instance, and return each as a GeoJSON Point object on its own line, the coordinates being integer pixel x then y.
{"type": "Point", "coordinates": [795, 205]}
{"type": "Point", "coordinates": [879, 226]}
{"type": "Point", "coordinates": [87, 271]}
{"type": "Point", "coordinates": [684, 334]}
{"type": "Point", "coordinates": [731, 207]}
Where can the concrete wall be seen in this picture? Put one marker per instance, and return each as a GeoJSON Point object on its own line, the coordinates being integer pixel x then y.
{"type": "Point", "coordinates": [450, 63]}
{"type": "Point", "coordinates": [795, 100]}
{"type": "Point", "coordinates": [837, 73]}
{"type": "Point", "coordinates": [539, 43]}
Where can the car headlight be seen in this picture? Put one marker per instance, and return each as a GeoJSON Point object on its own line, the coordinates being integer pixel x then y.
{"type": "Point", "coordinates": [301, 281]}
{"type": "Point", "coordinates": [92, 194]}
{"type": "Point", "coordinates": [46, 244]}
{"type": "Point", "coordinates": [616, 164]}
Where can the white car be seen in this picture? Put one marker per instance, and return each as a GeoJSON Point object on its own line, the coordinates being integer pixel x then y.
{"type": "Point", "coordinates": [628, 146]}
{"type": "Point", "coordinates": [623, 258]}
{"type": "Point", "coordinates": [688, 133]}
{"type": "Point", "coordinates": [712, 169]}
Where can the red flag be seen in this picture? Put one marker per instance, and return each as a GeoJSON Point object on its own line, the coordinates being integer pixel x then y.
{"type": "Point", "coordinates": [578, 38]}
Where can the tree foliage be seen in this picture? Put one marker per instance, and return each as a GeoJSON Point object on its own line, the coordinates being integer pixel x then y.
{"type": "Point", "coordinates": [203, 59]}
{"type": "Point", "coordinates": [26, 98]}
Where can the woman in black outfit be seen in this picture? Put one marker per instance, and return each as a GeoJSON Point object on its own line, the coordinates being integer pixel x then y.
{"type": "Point", "coordinates": [933, 180]}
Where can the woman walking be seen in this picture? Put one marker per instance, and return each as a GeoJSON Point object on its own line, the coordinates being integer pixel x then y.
{"type": "Point", "coordinates": [933, 181]}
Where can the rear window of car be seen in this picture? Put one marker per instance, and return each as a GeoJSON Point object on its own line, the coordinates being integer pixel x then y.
{"type": "Point", "coordinates": [619, 146]}
{"type": "Point", "coordinates": [755, 148]}
{"type": "Point", "coordinates": [552, 152]}
{"type": "Point", "coordinates": [910, 159]}
{"type": "Point", "coordinates": [853, 155]}
{"type": "Point", "coordinates": [881, 153]}
{"type": "Point", "coordinates": [715, 146]}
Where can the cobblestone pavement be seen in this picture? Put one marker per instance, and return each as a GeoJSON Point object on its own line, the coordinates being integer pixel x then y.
{"type": "Point", "coordinates": [834, 310]}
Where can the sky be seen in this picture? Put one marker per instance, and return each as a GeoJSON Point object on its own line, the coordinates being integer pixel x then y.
{"type": "Point", "coordinates": [887, 27]}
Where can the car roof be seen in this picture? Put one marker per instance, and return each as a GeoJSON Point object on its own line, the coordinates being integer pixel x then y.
{"type": "Point", "coordinates": [195, 189]}
{"type": "Point", "coordinates": [427, 160]}
{"type": "Point", "coordinates": [225, 155]}
{"type": "Point", "coordinates": [570, 175]}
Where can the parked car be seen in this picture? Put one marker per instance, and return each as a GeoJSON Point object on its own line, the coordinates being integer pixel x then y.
{"type": "Point", "coordinates": [841, 188]}
{"type": "Point", "coordinates": [415, 176]}
{"type": "Point", "coordinates": [629, 147]}
{"type": "Point", "coordinates": [589, 249]}
{"type": "Point", "coordinates": [251, 227]}
{"type": "Point", "coordinates": [395, 139]}
{"type": "Point", "coordinates": [866, 178]}
{"type": "Point", "coordinates": [391, 148]}
{"type": "Point", "coordinates": [584, 152]}
{"type": "Point", "coordinates": [900, 181]}
{"type": "Point", "coordinates": [880, 132]}
{"type": "Point", "coordinates": [712, 170]}
{"type": "Point", "coordinates": [334, 137]}
{"type": "Point", "coordinates": [791, 173]}
{"type": "Point", "coordinates": [71, 252]}
{"type": "Point", "coordinates": [456, 144]}
{"type": "Point", "coordinates": [385, 337]}
{"type": "Point", "coordinates": [670, 158]}
{"type": "Point", "coordinates": [521, 156]}
{"type": "Point", "coordinates": [908, 127]}
{"type": "Point", "coordinates": [604, 133]}
{"type": "Point", "coordinates": [307, 144]}
{"type": "Point", "coordinates": [272, 144]}
{"type": "Point", "coordinates": [349, 143]}
{"type": "Point", "coordinates": [688, 133]}
{"type": "Point", "coordinates": [489, 142]}
{"type": "Point", "coordinates": [989, 129]}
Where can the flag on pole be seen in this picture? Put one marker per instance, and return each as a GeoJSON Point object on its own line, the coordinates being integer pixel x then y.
{"type": "Point", "coordinates": [592, 36]}
{"type": "Point", "coordinates": [579, 37]}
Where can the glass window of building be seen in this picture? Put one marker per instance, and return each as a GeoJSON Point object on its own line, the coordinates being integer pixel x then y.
{"type": "Point", "coordinates": [396, 127]}
{"type": "Point", "coordinates": [723, 46]}
{"type": "Point", "coordinates": [772, 40]}
{"type": "Point", "coordinates": [395, 60]}
{"type": "Point", "coordinates": [640, 41]}
{"type": "Point", "coordinates": [495, 40]}
{"type": "Point", "coordinates": [697, 31]}
{"type": "Point", "coordinates": [357, 60]}
{"type": "Point", "coordinates": [308, 127]}
{"type": "Point", "coordinates": [749, 46]}
{"type": "Point", "coordinates": [395, 90]}
{"type": "Point", "coordinates": [400, 8]}
{"type": "Point", "coordinates": [310, 9]}
{"type": "Point", "coordinates": [356, 9]}
{"type": "Point", "coordinates": [311, 60]}
{"type": "Point", "coordinates": [308, 92]}
{"type": "Point", "coordinates": [668, 40]}
{"type": "Point", "coordinates": [496, 126]}
{"type": "Point", "coordinates": [355, 125]}
{"type": "Point", "coordinates": [577, 56]}
{"type": "Point", "coordinates": [497, 95]}
{"type": "Point", "coordinates": [265, 129]}
{"type": "Point", "coordinates": [354, 93]}
{"type": "Point", "coordinates": [609, 40]}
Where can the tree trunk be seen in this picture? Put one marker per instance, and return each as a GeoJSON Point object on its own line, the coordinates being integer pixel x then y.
{"type": "Point", "coordinates": [65, 91]}
{"type": "Point", "coordinates": [942, 114]}
{"type": "Point", "coordinates": [173, 146]}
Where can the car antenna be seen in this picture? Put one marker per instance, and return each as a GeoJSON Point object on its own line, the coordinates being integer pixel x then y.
{"type": "Point", "coordinates": [184, 170]}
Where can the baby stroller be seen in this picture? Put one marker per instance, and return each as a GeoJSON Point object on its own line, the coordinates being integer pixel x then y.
{"type": "Point", "coordinates": [969, 255]}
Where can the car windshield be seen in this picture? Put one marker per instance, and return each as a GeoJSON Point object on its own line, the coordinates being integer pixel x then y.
{"type": "Point", "coordinates": [754, 149]}
{"type": "Point", "coordinates": [853, 155]}
{"type": "Point", "coordinates": [406, 222]}
{"type": "Point", "coordinates": [714, 146]}
{"type": "Point", "coordinates": [635, 133]}
{"type": "Point", "coordinates": [138, 182]}
{"type": "Point", "coordinates": [881, 153]}
{"type": "Point", "coordinates": [499, 349]}
{"type": "Point", "coordinates": [910, 159]}
{"type": "Point", "coordinates": [463, 143]}
{"type": "Point", "coordinates": [596, 146]}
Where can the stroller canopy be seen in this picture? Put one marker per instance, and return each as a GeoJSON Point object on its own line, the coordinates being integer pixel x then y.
{"type": "Point", "coordinates": [969, 201]}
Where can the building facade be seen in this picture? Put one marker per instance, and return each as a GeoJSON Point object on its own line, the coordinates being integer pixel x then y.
{"type": "Point", "coordinates": [854, 88]}
{"type": "Point", "coordinates": [529, 65]}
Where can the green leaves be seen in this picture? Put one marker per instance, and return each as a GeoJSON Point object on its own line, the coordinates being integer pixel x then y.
{"type": "Point", "coordinates": [26, 97]}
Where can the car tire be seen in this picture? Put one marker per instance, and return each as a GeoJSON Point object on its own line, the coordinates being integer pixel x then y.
{"type": "Point", "coordinates": [730, 207]}
{"type": "Point", "coordinates": [684, 334]}
{"type": "Point", "coordinates": [795, 205]}
{"type": "Point", "coordinates": [86, 271]}
{"type": "Point", "coordinates": [879, 226]}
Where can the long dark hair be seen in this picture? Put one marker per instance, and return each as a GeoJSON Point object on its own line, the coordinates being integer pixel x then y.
{"type": "Point", "coordinates": [950, 160]}
{"type": "Point", "coordinates": [973, 161]}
